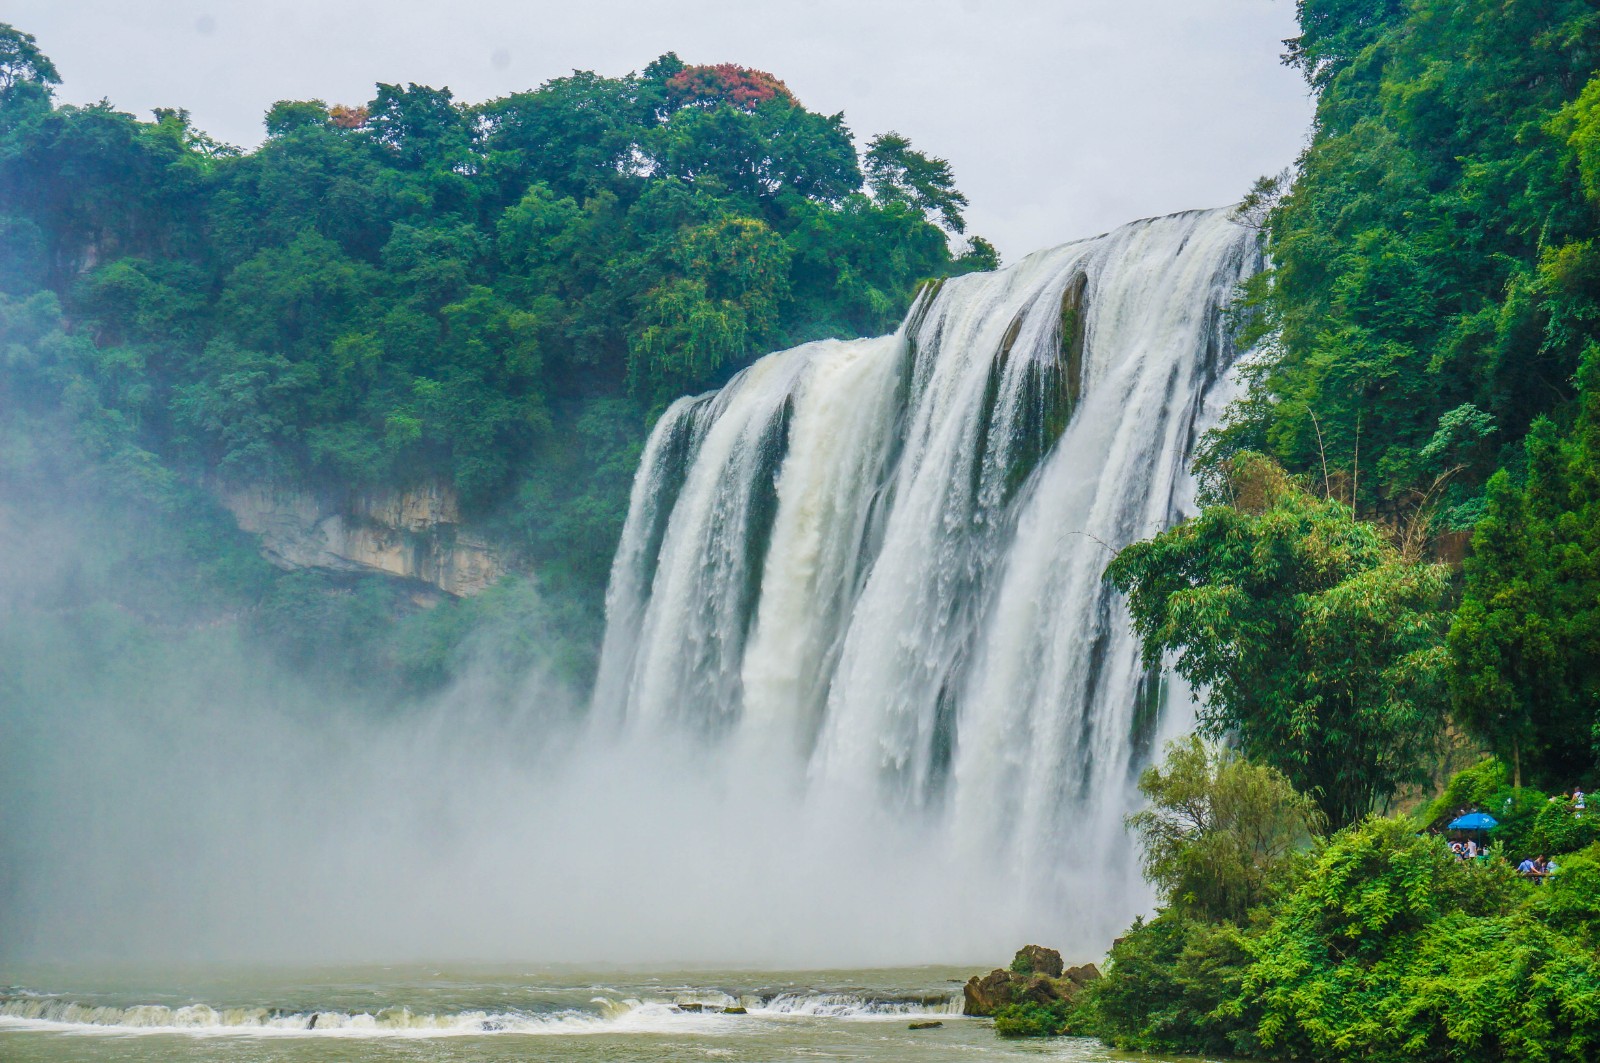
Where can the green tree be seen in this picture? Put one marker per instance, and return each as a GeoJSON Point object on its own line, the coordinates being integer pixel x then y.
{"type": "Point", "coordinates": [897, 173]}
{"type": "Point", "coordinates": [1390, 948]}
{"type": "Point", "coordinates": [1172, 985]}
{"type": "Point", "coordinates": [1320, 647]}
{"type": "Point", "coordinates": [1437, 249]}
{"type": "Point", "coordinates": [22, 63]}
{"type": "Point", "coordinates": [1525, 643]}
{"type": "Point", "coordinates": [722, 301]}
{"type": "Point", "coordinates": [1219, 829]}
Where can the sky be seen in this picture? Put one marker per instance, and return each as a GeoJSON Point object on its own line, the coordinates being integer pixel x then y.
{"type": "Point", "coordinates": [1061, 118]}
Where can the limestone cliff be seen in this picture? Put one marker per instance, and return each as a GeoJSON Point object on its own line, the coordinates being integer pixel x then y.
{"type": "Point", "coordinates": [415, 534]}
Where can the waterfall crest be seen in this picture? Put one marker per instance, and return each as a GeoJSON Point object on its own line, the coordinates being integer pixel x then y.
{"type": "Point", "coordinates": [873, 568]}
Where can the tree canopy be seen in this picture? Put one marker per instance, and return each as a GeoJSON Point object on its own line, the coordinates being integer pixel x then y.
{"type": "Point", "coordinates": [498, 295]}
{"type": "Point", "coordinates": [1218, 829]}
{"type": "Point", "coordinates": [1320, 647]}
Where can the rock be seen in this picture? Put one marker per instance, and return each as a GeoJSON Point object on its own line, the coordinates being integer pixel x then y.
{"type": "Point", "coordinates": [1082, 975]}
{"type": "Point", "coordinates": [987, 994]}
{"type": "Point", "coordinates": [926, 1025]}
{"type": "Point", "coordinates": [691, 1007]}
{"type": "Point", "coordinates": [735, 1011]}
{"type": "Point", "coordinates": [1044, 982]}
{"type": "Point", "coordinates": [1038, 990]}
{"type": "Point", "coordinates": [1036, 959]}
{"type": "Point", "coordinates": [416, 534]}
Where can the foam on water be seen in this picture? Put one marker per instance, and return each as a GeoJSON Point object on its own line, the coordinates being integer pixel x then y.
{"type": "Point", "coordinates": [700, 1012]}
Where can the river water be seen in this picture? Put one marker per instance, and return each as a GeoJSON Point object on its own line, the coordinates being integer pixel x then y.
{"type": "Point", "coordinates": [446, 1014]}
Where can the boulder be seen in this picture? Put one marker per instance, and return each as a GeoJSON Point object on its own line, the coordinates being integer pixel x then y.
{"type": "Point", "coordinates": [1082, 975]}
{"type": "Point", "coordinates": [987, 994]}
{"type": "Point", "coordinates": [1043, 982]}
{"type": "Point", "coordinates": [1036, 959]}
{"type": "Point", "coordinates": [926, 1025]}
{"type": "Point", "coordinates": [1038, 990]}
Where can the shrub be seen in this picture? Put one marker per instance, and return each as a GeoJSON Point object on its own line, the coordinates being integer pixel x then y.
{"type": "Point", "coordinates": [1036, 1020]}
{"type": "Point", "coordinates": [1169, 986]}
{"type": "Point", "coordinates": [1560, 828]}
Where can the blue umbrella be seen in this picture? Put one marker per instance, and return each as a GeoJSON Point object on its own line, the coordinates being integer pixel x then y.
{"type": "Point", "coordinates": [1474, 821]}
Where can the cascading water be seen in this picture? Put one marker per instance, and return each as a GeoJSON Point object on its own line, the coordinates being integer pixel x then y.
{"type": "Point", "coordinates": [874, 568]}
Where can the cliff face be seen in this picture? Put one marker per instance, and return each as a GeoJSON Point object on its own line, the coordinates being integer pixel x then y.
{"type": "Point", "coordinates": [415, 534]}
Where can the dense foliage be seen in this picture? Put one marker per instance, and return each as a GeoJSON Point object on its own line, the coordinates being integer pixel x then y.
{"type": "Point", "coordinates": [1378, 943]}
{"type": "Point", "coordinates": [1435, 270]}
{"type": "Point", "coordinates": [1321, 646]}
{"type": "Point", "coordinates": [1218, 829]}
{"type": "Point", "coordinates": [1526, 639]}
{"type": "Point", "coordinates": [1428, 370]}
{"type": "Point", "coordinates": [1434, 299]}
{"type": "Point", "coordinates": [497, 296]}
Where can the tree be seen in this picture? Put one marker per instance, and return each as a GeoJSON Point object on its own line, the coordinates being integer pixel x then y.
{"type": "Point", "coordinates": [759, 153]}
{"type": "Point", "coordinates": [738, 86]}
{"type": "Point", "coordinates": [722, 299]}
{"type": "Point", "coordinates": [421, 126]}
{"type": "Point", "coordinates": [288, 116]}
{"type": "Point", "coordinates": [1320, 647]}
{"type": "Point", "coordinates": [1218, 829]}
{"type": "Point", "coordinates": [896, 173]}
{"type": "Point", "coordinates": [1333, 32]}
{"type": "Point", "coordinates": [1437, 248]}
{"type": "Point", "coordinates": [1525, 644]}
{"type": "Point", "coordinates": [22, 63]}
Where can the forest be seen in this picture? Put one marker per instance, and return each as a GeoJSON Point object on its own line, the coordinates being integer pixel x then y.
{"type": "Point", "coordinates": [498, 296]}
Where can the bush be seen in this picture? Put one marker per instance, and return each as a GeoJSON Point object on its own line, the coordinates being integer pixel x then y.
{"type": "Point", "coordinates": [1168, 988]}
{"type": "Point", "coordinates": [1560, 828]}
{"type": "Point", "coordinates": [1038, 1020]}
{"type": "Point", "coordinates": [1471, 788]}
{"type": "Point", "coordinates": [1570, 900]}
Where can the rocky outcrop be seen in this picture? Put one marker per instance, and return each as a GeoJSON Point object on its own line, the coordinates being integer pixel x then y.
{"type": "Point", "coordinates": [987, 994]}
{"type": "Point", "coordinates": [1036, 959]}
{"type": "Point", "coordinates": [415, 534]}
{"type": "Point", "coordinates": [1036, 976]}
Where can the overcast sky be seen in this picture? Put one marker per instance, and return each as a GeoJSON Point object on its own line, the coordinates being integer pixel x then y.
{"type": "Point", "coordinates": [1062, 118]}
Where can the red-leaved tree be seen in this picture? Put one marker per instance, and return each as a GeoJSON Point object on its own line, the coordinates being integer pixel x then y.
{"type": "Point", "coordinates": [739, 86]}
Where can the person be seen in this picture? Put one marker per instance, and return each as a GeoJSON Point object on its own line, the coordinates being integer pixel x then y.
{"type": "Point", "coordinates": [1472, 849]}
{"type": "Point", "coordinates": [1577, 799]}
{"type": "Point", "coordinates": [1541, 869]}
{"type": "Point", "coordinates": [1527, 869]}
{"type": "Point", "coordinates": [1455, 847]}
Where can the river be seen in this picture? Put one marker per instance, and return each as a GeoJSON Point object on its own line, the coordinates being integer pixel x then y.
{"type": "Point", "coordinates": [510, 1012]}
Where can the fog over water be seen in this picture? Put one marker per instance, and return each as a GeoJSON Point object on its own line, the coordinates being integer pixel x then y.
{"type": "Point", "coordinates": [195, 804]}
{"type": "Point", "coordinates": [213, 810]}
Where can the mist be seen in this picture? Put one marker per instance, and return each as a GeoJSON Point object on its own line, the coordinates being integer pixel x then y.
{"type": "Point", "coordinates": [171, 794]}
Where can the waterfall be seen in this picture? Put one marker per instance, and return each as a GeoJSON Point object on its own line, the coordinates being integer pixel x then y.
{"type": "Point", "coordinates": [873, 568]}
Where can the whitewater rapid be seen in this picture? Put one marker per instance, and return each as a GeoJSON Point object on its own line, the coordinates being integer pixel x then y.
{"type": "Point", "coordinates": [608, 1012]}
{"type": "Point", "coordinates": [873, 569]}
